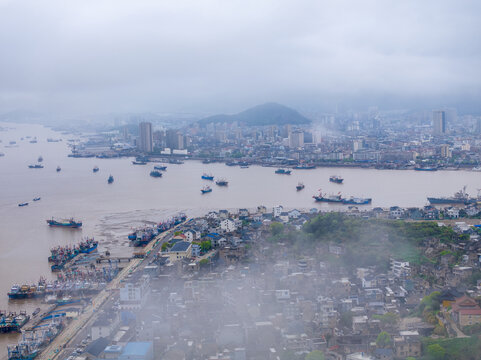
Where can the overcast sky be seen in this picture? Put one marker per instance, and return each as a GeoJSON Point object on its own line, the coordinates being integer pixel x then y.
{"type": "Point", "coordinates": [212, 56]}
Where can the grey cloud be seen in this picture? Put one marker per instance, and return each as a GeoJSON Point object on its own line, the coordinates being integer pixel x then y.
{"type": "Point", "coordinates": [91, 56]}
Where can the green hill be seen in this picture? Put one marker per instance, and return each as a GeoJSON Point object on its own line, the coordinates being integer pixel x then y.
{"type": "Point", "coordinates": [261, 115]}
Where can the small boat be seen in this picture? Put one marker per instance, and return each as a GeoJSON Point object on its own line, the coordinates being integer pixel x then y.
{"type": "Point", "coordinates": [59, 168]}
{"type": "Point", "coordinates": [425, 169]}
{"type": "Point", "coordinates": [110, 180]}
{"type": "Point", "coordinates": [244, 166]}
{"type": "Point", "coordinates": [37, 310]}
{"type": "Point", "coordinates": [95, 169]}
{"type": "Point", "coordinates": [300, 186]}
{"type": "Point", "coordinates": [139, 162]}
{"type": "Point", "coordinates": [476, 168]}
{"type": "Point", "coordinates": [23, 204]}
{"type": "Point", "coordinates": [36, 199]}
{"type": "Point", "coordinates": [222, 182]}
{"type": "Point", "coordinates": [206, 189]}
{"type": "Point", "coordinates": [283, 172]}
{"type": "Point", "coordinates": [36, 166]}
{"type": "Point", "coordinates": [156, 174]}
{"type": "Point", "coordinates": [207, 176]}
{"type": "Point", "coordinates": [336, 179]}
{"type": "Point", "coordinates": [159, 167]}
{"type": "Point", "coordinates": [34, 141]}
{"type": "Point", "coordinates": [40, 158]}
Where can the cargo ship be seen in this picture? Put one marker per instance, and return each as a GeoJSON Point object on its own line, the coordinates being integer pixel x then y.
{"type": "Point", "coordinates": [23, 204]}
{"type": "Point", "coordinates": [300, 186]}
{"type": "Point", "coordinates": [222, 182]}
{"type": "Point", "coordinates": [328, 198]}
{"type": "Point", "coordinates": [356, 201]}
{"type": "Point", "coordinates": [139, 162]}
{"type": "Point", "coordinates": [460, 197]}
{"type": "Point", "coordinates": [156, 174]}
{"type": "Point", "coordinates": [207, 176]}
{"type": "Point", "coordinates": [305, 167]}
{"type": "Point", "coordinates": [336, 179]}
{"type": "Point", "coordinates": [36, 166]}
{"type": "Point", "coordinates": [110, 180]}
{"type": "Point", "coordinates": [95, 169]}
{"type": "Point", "coordinates": [70, 223]}
{"type": "Point", "coordinates": [283, 172]}
{"type": "Point", "coordinates": [206, 189]}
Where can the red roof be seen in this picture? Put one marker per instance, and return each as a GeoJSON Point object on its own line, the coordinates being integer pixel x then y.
{"type": "Point", "coordinates": [470, 312]}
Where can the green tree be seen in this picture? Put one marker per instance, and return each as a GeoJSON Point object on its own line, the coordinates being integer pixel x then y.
{"type": "Point", "coordinates": [277, 228]}
{"type": "Point", "coordinates": [205, 245]}
{"type": "Point", "coordinates": [436, 352]}
{"type": "Point", "coordinates": [203, 262]}
{"type": "Point", "coordinates": [383, 340]}
{"type": "Point", "coordinates": [315, 355]}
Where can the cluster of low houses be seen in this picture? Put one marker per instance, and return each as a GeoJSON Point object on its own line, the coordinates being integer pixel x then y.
{"type": "Point", "coordinates": [260, 309]}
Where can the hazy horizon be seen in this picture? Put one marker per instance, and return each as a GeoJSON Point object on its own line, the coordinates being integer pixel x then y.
{"type": "Point", "coordinates": [217, 57]}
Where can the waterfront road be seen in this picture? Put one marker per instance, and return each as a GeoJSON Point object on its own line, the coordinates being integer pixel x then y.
{"type": "Point", "coordinates": [61, 346]}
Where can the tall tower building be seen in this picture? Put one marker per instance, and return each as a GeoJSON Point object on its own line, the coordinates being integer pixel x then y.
{"type": "Point", "coordinates": [439, 122]}
{"type": "Point", "coordinates": [296, 139]}
{"type": "Point", "coordinates": [146, 139]}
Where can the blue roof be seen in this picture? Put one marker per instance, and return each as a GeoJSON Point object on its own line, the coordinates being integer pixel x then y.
{"type": "Point", "coordinates": [136, 348]}
{"type": "Point", "coordinates": [180, 246]}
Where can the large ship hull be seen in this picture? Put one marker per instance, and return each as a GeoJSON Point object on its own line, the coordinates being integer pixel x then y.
{"type": "Point", "coordinates": [71, 224]}
{"type": "Point", "coordinates": [323, 199]}
{"type": "Point", "coordinates": [447, 201]}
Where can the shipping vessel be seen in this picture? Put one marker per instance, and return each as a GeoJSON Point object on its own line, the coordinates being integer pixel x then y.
{"type": "Point", "coordinates": [36, 198]}
{"type": "Point", "coordinates": [160, 167]}
{"type": "Point", "coordinates": [222, 182]}
{"type": "Point", "coordinates": [139, 162]}
{"type": "Point", "coordinates": [283, 172]}
{"type": "Point", "coordinates": [36, 166]}
{"type": "Point", "coordinates": [70, 223]}
{"type": "Point", "coordinates": [305, 167]}
{"type": "Point", "coordinates": [356, 201]}
{"type": "Point", "coordinates": [142, 236]}
{"type": "Point", "coordinates": [336, 179]}
{"type": "Point", "coordinates": [207, 176]}
{"type": "Point", "coordinates": [206, 189]}
{"type": "Point", "coordinates": [95, 169]}
{"type": "Point", "coordinates": [59, 168]}
{"type": "Point", "coordinates": [328, 198]}
{"type": "Point", "coordinates": [110, 180]}
{"type": "Point", "coordinates": [460, 197]}
{"type": "Point", "coordinates": [156, 174]}
{"type": "Point", "coordinates": [300, 186]}
{"type": "Point", "coordinates": [23, 204]}
{"type": "Point", "coordinates": [425, 169]}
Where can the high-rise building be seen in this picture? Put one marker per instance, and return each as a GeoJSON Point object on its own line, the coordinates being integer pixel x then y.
{"type": "Point", "coordinates": [296, 139]}
{"type": "Point", "coordinates": [146, 139]}
{"type": "Point", "coordinates": [439, 122]}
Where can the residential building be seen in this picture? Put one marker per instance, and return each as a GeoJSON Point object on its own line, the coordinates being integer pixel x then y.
{"type": "Point", "coordinates": [146, 140]}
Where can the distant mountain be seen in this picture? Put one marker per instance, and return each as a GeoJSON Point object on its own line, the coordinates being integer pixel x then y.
{"type": "Point", "coordinates": [261, 115]}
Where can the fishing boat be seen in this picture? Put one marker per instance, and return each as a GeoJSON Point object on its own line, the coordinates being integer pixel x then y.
{"type": "Point", "coordinates": [207, 176]}
{"type": "Point", "coordinates": [356, 201]}
{"type": "Point", "coordinates": [160, 167]}
{"type": "Point", "coordinates": [95, 169]}
{"type": "Point", "coordinates": [244, 166]}
{"type": "Point", "coordinates": [206, 189]}
{"type": "Point", "coordinates": [110, 180]}
{"type": "Point", "coordinates": [59, 168]}
{"type": "Point", "coordinates": [425, 169]}
{"type": "Point", "coordinates": [36, 166]}
{"type": "Point", "coordinates": [222, 182]}
{"type": "Point", "coordinates": [36, 198]}
{"type": "Point", "coordinates": [328, 198]}
{"type": "Point", "coordinates": [23, 204]}
{"type": "Point", "coordinates": [283, 172]}
{"type": "Point", "coordinates": [305, 167]}
{"type": "Point", "coordinates": [139, 162]}
{"type": "Point", "coordinates": [70, 223]}
{"type": "Point", "coordinates": [300, 186]}
{"type": "Point", "coordinates": [336, 179]}
{"type": "Point", "coordinates": [156, 174]}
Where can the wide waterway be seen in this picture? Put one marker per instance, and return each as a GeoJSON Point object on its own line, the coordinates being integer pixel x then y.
{"type": "Point", "coordinates": [108, 211]}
